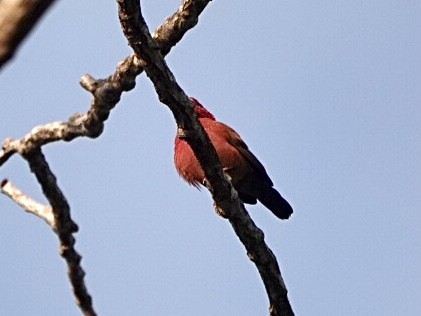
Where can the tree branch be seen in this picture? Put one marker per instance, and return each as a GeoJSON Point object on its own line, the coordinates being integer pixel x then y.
{"type": "Point", "coordinates": [226, 198]}
{"type": "Point", "coordinates": [106, 92]}
{"type": "Point", "coordinates": [57, 215]}
{"type": "Point", "coordinates": [17, 20]}
{"type": "Point", "coordinates": [174, 27]}
{"type": "Point", "coordinates": [28, 204]}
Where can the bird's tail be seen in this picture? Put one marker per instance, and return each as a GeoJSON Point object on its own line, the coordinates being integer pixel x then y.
{"type": "Point", "coordinates": [273, 200]}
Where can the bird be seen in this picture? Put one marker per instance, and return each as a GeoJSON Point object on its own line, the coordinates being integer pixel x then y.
{"type": "Point", "coordinates": [247, 174]}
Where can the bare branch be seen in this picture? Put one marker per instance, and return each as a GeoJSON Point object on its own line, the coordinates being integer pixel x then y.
{"type": "Point", "coordinates": [226, 199]}
{"type": "Point", "coordinates": [59, 220]}
{"type": "Point", "coordinates": [17, 19]}
{"type": "Point", "coordinates": [64, 227]}
{"type": "Point", "coordinates": [57, 216]}
{"type": "Point", "coordinates": [170, 93]}
{"type": "Point", "coordinates": [28, 204]}
{"type": "Point", "coordinates": [106, 92]}
{"type": "Point", "coordinates": [174, 27]}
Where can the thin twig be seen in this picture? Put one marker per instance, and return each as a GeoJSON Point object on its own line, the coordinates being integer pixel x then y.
{"type": "Point", "coordinates": [28, 204]}
{"type": "Point", "coordinates": [226, 200]}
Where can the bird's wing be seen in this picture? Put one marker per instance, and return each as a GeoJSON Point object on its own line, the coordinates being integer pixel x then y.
{"type": "Point", "coordinates": [235, 140]}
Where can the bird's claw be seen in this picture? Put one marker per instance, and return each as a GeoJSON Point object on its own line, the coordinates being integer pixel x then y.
{"type": "Point", "coordinates": [182, 133]}
{"type": "Point", "coordinates": [207, 184]}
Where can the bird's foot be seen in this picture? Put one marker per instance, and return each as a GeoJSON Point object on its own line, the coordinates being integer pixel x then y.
{"type": "Point", "coordinates": [183, 133]}
{"type": "Point", "coordinates": [207, 184]}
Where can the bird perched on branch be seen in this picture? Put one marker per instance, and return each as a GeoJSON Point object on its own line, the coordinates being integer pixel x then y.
{"type": "Point", "coordinates": [248, 176]}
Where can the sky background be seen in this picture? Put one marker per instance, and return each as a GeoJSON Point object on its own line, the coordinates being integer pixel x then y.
{"type": "Point", "coordinates": [325, 93]}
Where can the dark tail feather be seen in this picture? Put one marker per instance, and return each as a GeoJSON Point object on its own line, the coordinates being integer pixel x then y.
{"type": "Point", "coordinates": [271, 198]}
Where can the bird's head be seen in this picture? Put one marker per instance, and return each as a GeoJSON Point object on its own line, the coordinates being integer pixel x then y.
{"type": "Point", "coordinates": [200, 110]}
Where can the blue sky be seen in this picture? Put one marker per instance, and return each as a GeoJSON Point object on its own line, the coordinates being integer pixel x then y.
{"type": "Point", "coordinates": [325, 93]}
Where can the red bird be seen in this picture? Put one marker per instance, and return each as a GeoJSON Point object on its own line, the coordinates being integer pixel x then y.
{"type": "Point", "coordinates": [248, 176]}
